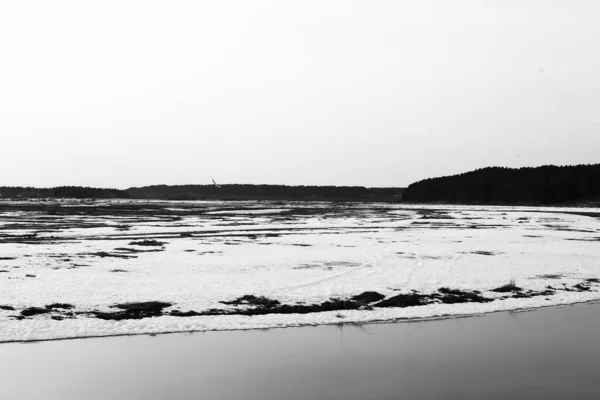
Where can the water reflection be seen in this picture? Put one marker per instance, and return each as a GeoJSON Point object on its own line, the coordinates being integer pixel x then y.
{"type": "Point", "coordinates": [351, 328]}
{"type": "Point", "coordinates": [551, 354]}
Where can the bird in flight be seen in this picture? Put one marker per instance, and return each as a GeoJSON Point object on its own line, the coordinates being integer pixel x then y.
{"type": "Point", "coordinates": [215, 183]}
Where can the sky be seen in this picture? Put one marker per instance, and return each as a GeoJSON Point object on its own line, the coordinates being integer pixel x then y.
{"type": "Point", "coordinates": [311, 92]}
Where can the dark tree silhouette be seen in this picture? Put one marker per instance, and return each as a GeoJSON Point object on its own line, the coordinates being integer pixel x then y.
{"type": "Point", "coordinates": [78, 192]}
{"type": "Point", "coordinates": [266, 192]}
{"type": "Point", "coordinates": [212, 192]}
{"type": "Point", "coordinates": [547, 184]}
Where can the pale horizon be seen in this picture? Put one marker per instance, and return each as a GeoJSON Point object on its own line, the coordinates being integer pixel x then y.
{"type": "Point", "coordinates": [343, 93]}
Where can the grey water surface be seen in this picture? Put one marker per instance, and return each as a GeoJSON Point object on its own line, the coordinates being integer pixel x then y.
{"type": "Point", "coordinates": [551, 353]}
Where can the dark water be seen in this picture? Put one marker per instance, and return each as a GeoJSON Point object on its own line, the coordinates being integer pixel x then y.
{"type": "Point", "coordinates": [552, 353]}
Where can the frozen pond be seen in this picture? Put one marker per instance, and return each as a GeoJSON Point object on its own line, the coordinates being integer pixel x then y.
{"type": "Point", "coordinates": [98, 268]}
{"type": "Point", "coordinates": [551, 353]}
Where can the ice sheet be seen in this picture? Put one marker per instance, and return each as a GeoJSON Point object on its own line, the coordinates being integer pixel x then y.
{"type": "Point", "coordinates": [296, 253]}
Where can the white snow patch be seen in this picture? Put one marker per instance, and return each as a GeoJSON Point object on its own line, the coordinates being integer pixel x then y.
{"type": "Point", "coordinates": [307, 259]}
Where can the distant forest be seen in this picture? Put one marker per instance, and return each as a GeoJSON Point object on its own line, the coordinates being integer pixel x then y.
{"type": "Point", "coordinates": [496, 185]}
{"type": "Point", "coordinates": [212, 192]}
{"type": "Point", "coordinates": [77, 192]}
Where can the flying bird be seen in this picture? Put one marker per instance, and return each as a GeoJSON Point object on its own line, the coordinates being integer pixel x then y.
{"type": "Point", "coordinates": [215, 183]}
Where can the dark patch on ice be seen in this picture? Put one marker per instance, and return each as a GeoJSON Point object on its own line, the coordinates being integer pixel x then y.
{"type": "Point", "coordinates": [368, 297]}
{"type": "Point", "coordinates": [190, 313]}
{"type": "Point", "coordinates": [7, 258]}
{"type": "Point", "coordinates": [135, 251]}
{"type": "Point", "coordinates": [252, 300]}
{"type": "Point", "coordinates": [550, 290]}
{"type": "Point", "coordinates": [404, 300]}
{"type": "Point", "coordinates": [118, 270]}
{"type": "Point", "coordinates": [483, 253]}
{"type": "Point", "coordinates": [451, 296]}
{"type": "Point", "coordinates": [312, 266]}
{"type": "Point", "coordinates": [63, 306]}
{"type": "Point", "coordinates": [532, 293]}
{"type": "Point", "coordinates": [147, 242]}
{"type": "Point", "coordinates": [333, 304]}
{"type": "Point", "coordinates": [262, 305]}
{"type": "Point", "coordinates": [432, 257]}
{"type": "Point", "coordinates": [341, 264]}
{"type": "Point", "coordinates": [139, 310]}
{"type": "Point", "coordinates": [582, 287]}
{"type": "Point", "coordinates": [7, 308]}
{"type": "Point", "coordinates": [73, 266]}
{"type": "Point", "coordinates": [509, 287]}
{"type": "Point", "coordinates": [550, 276]}
{"type": "Point", "coordinates": [104, 254]}
{"type": "Point", "coordinates": [31, 311]}
{"type": "Point", "coordinates": [589, 239]}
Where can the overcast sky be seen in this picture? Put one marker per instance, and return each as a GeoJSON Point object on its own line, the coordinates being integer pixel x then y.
{"type": "Point", "coordinates": [370, 93]}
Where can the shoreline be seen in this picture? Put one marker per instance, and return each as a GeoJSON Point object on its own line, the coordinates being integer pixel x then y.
{"type": "Point", "coordinates": [314, 325]}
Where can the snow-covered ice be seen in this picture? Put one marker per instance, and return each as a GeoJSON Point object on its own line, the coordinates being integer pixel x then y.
{"type": "Point", "coordinates": [85, 254]}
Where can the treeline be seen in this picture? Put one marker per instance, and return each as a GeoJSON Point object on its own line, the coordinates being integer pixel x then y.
{"type": "Point", "coordinates": [212, 192]}
{"type": "Point", "coordinates": [77, 192]}
{"type": "Point", "coordinates": [548, 184]}
{"type": "Point", "coordinates": [80, 192]}
{"type": "Point", "coordinates": [266, 192]}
